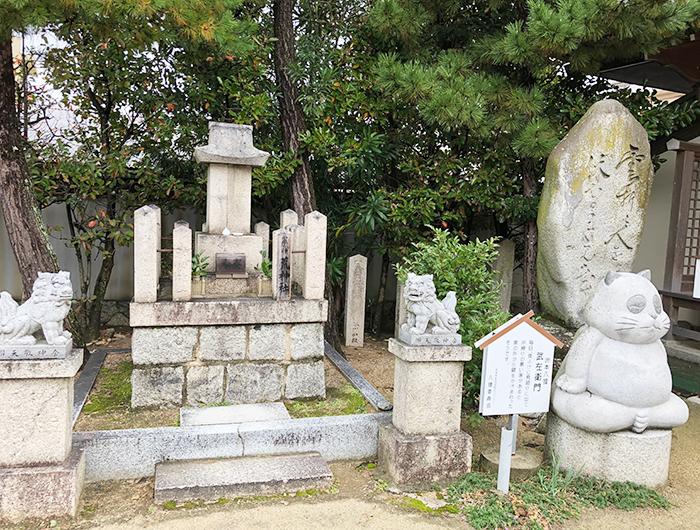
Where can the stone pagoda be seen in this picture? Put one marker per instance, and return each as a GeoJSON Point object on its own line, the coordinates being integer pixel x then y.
{"type": "Point", "coordinates": [235, 334]}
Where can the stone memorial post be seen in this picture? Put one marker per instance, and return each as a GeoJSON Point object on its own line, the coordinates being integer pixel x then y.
{"type": "Point", "coordinates": [592, 209]}
{"type": "Point", "coordinates": [355, 292]}
{"type": "Point", "coordinates": [41, 474]}
{"type": "Point", "coordinates": [612, 405]}
{"type": "Point", "coordinates": [182, 262]}
{"type": "Point", "coordinates": [424, 444]}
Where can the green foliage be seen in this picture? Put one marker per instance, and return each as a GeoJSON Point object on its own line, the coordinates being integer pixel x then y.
{"type": "Point", "coordinates": [112, 390]}
{"type": "Point", "coordinates": [265, 265]}
{"type": "Point", "coordinates": [199, 264]}
{"type": "Point", "coordinates": [465, 269]}
{"type": "Point", "coordinates": [534, 504]}
{"type": "Point", "coordinates": [340, 401]}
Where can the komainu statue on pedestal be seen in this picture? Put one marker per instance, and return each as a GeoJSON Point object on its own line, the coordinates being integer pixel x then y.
{"type": "Point", "coordinates": [426, 314]}
{"type": "Point", "coordinates": [616, 376]}
{"type": "Point", "coordinates": [45, 310]}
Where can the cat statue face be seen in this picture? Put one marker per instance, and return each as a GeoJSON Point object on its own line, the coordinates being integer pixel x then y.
{"type": "Point", "coordinates": [627, 307]}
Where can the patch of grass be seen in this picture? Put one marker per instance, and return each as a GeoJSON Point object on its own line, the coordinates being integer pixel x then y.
{"type": "Point", "coordinates": [340, 401]}
{"type": "Point", "coordinates": [112, 390]}
{"type": "Point", "coordinates": [218, 404]}
{"type": "Point", "coordinates": [544, 499]}
{"type": "Point", "coordinates": [88, 511]}
{"type": "Point", "coordinates": [416, 504]}
{"type": "Point", "coordinates": [170, 505]}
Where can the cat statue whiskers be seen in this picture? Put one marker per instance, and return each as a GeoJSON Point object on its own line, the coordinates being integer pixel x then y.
{"type": "Point", "coordinates": [616, 376]}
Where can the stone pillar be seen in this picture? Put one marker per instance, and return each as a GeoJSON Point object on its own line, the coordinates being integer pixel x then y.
{"type": "Point", "coordinates": [400, 317]}
{"type": "Point", "coordinates": [355, 293]}
{"type": "Point", "coordinates": [228, 198]}
{"type": "Point", "coordinates": [504, 266]}
{"type": "Point", "coordinates": [41, 475]}
{"type": "Point", "coordinates": [315, 225]}
{"type": "Point", "coordinates": [146, 256]}
{"type": "Point", "coordinates": [298, 258]}
{"type": "Point", "coordinates": [288, 217]}
{"type": "Point", "coordinates": [281, 252]}
{"type": "Point", "coordinates": [425, 444]}
{"type": "Point", "coordinates": [182, 262]}
{"type": "Point", "coordinates": [263, 230]}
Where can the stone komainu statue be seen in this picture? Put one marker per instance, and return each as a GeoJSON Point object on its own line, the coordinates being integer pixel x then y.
{"type": "Point", "coordinates": [46, 308]}
{"type": "Point", "coordinates": [425, 313]}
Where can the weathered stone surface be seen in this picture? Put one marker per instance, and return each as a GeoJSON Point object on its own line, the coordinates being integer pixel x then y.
{"type": "Point", "coordinates": [406, 352]}
{"type": "Point", "coordinates": [182, 262]}
{"type": "Point", "coordinates": [233, 414]}
{"type": "Point", "coordinates": [42, 492]}
{"type": "Point", "coordinates": [281, 264]}
{"type": "Point", "coordinates": [231, 143]}
{"type": "Point", "coordinates": [448, 339]}
{"type": "Point", "coordinates": [523, 464]}
{"type": "Point", "coordinates": [42, 368]}
{"type": "Point", "coordinates": [315, 225]}
{"type": "Point", "coordinates": [248, 476]}
{"type": "Point", "coordinates": [305, 380]}
{"type": "Point", "coordinates": [229, 287]}
{"type": "Point", "coordinates": [225, 312]}
{"type": "Point", "coordinates": [424, 460]}
{"type": "Point", "coordinates": [146, 258]}
{"type": "Point", "coordinates": [157, 387]}
{"type": "Point", "coordinates": [592, 207]}
{"type": "Point", "coordinates": [36, 418]}
{"type": "Point", "coordinates": [205, 384]}
{"type": "Point", "coordinates": [133, 453]}
{"type": "Point", "coordinates": [163, 345]}
{"type": "Point", "coordinates": [298, 258]}
{"type": "Point", "coordinates": [427, 397]}
{"type": "Point", "coordinates": [212, 244]}
{"type": "Point", "coordinates": [254, 383]}
{"type": "Point", "coordinates": [267, 343]}
{"type": "Point", "coordinates": [228, 199]}
{"type": "Point", "coordinates": [262, 229]}
{"type": "Point", "coordinates": [355, 293]}
{"type": "Point", "coordinates": [400, 316]}
{"type": "Point", "coordinates": [288, 217]}
{"type": "Point", "coordinates": [619, 456]}
{"type": "Point", "coordinates": [40, 350]}
{"type": "Point", "coordinates": [222, 343]}
{"type": "Point", "coordinates": [335, 437]}
{"type": "Point", "coordinates": [504, 265]}
{"type": "Point", "coordinates": [616, 375]}
{"type": "Point", "coordinates": [306, 341]}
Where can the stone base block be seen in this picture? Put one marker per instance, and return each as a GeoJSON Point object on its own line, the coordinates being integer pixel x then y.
{"type": "Point", "coordinates": [427, 397]}
{"type": "Point", "coordinates": [28, 493]}
{"type": "Point", "coordinates": [40, 350]}
{"type": "Point", "coordinates": [616, 457]}
{"type": "Point", "coordinates": [428, 339]}
{"type": "Point", "coordinates": [37, 412]}
{"type": "Point", "coordinates": [424, 460]}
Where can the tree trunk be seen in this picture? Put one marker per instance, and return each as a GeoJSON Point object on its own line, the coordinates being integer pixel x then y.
{"type": "Point", "coordinates": [25, 228]}
{"type": "Point", "coordinates": [531, 297]}
{"type": "Point", "coordinates": [381, 295]}
{"type": "Point", "coordinates": [291, 114]}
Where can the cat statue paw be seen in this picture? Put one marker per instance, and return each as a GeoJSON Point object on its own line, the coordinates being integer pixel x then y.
{"type": "Point", "coordinates": [45, 310]}
{"type": "Point", "coordinates": [616, 376]}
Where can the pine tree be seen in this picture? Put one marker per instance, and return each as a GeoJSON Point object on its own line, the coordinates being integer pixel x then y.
{"type": "Point", "coordinates": [493, 72]}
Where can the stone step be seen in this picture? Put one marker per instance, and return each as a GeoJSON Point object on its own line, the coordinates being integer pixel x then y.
{"type": "Point", "coordinates": [229, 414]}
{"type": "Point", "coordinates": [248, 476]}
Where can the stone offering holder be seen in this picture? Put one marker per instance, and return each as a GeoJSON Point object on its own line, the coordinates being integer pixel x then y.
{"type": "Point", "coordinates": [232, 341]}
{"type": "Point", "coordinates": [424, 444]}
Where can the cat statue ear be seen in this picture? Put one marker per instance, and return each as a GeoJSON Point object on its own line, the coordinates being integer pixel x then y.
{"type": "Point", "coordinates": [611, 276]}
{"type": "Point", "coordinates": [646, 274]}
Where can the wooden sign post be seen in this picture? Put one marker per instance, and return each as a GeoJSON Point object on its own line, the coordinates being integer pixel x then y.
{"type": "Point", "coordinates": [516, 378]}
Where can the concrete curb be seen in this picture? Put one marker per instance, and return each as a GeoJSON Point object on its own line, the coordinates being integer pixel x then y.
{"type": "Point", "coordinates": [133, 453]}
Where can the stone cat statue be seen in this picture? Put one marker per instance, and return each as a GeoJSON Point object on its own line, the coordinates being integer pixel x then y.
{"type": "Point", "coordinates": [45, 310]}
{"type": "Point", "coordinates": [616, 376]}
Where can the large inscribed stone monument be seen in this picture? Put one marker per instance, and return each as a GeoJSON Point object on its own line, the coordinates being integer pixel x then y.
{"type": "Point", "coordinates": [592, 208]}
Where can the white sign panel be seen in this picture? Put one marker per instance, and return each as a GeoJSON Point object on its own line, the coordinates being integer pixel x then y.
{"type": "Point", "coordinates": [516, 374]}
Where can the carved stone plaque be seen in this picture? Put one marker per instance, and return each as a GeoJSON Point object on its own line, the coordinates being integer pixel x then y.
{"type": "Point", "coordinates": [230, 265]}
{"type": "Point", "coordinates": [592, 209]}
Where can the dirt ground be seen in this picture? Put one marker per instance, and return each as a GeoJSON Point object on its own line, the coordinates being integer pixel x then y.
{"type": "Point", "coordinates": [360, 497]}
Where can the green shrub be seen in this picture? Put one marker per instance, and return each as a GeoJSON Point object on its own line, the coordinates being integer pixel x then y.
{"type": "Point", "coordinates": [466, 269]}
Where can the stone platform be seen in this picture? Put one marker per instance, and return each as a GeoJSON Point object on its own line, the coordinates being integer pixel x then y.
{"type": "Point", "coordinates": [213, 479]}
{"type": "Point", "coordinates": [616, 457]}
